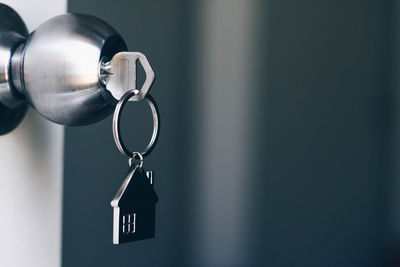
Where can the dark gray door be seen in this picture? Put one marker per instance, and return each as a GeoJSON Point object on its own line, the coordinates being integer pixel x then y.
{"type": "Point", "coordinates": [277, 136]}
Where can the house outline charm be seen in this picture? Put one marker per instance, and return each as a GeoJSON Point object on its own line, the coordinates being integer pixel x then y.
{"type": "Point", "coordinates": [134, 207]}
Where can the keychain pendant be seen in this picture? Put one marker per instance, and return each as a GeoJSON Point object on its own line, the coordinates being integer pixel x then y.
{"type": "Point", "coordinates": [134, 207]}
{"type": "Point", "coordinates": [135, 202]}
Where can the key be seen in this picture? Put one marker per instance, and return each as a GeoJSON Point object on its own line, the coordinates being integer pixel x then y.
{"type": "Point", "coordinates": [134, 207]}
{"type": "Point", "coordinates": [119, 75]}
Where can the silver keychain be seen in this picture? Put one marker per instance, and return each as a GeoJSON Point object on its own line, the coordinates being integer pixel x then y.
{"type": "Point", "coordinates": [134, 203]}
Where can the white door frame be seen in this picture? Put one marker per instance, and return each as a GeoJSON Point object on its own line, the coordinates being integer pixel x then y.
{"type": "Point", "coordinates": [31, 164]}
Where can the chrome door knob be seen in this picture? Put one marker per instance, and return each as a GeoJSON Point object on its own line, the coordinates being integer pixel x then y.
{"type": "Point", "coordinates": [57, 68]}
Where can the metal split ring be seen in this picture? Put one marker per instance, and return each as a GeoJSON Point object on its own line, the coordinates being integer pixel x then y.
{"type": "Point", "coordinates": [137, 156]}
{"type": "Point", "coordinates": [117, 131]}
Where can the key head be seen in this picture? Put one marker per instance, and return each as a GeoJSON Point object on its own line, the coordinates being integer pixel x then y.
{"type": "Point", "coordinates": [119, 75]}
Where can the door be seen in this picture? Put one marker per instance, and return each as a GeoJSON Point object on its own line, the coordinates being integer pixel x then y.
{"type": "Point", "coordinates": [278, 142]}
{"type": "Point", "coordinates": [277, 122]}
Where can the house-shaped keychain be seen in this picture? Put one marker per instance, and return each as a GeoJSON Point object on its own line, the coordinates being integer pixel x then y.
{"type": "Point", "coordinates": [134, 207]}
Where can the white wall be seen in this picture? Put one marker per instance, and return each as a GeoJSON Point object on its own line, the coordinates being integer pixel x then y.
{"type": "Point", "coordinates": [31, 168]}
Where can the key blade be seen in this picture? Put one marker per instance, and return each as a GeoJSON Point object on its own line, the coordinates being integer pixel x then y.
{"type": "Point", "coordinates": [119, 75]}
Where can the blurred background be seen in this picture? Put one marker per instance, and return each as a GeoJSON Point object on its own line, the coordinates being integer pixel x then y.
{"type": "Point", "coordinates": [279, 139]}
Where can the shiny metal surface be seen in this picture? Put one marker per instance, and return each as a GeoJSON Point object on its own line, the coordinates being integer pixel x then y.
{"type": "Point", "coordinates": [12, 105]}
{"type": "Point", "coordinates": [136, 198]}
{"type": "Point", "coordinates": [119, 75]}
{"type": "Point", "coordinates": [139, 159]}
{"type": "Point", "coordinates": [16, 64]}
{"type": "Point", "coordinates": [60, 71]}
{"type": "Point", "coordinates": [116, 125]}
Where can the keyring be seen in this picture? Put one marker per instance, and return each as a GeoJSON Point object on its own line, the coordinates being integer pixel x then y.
{"type": "Point", "coordinates": [116, 124]}
{"type": "Point", "coordinates": [138, 156]}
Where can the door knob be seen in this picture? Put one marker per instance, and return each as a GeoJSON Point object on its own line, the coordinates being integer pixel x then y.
{"type": "Point", "coordinates": [72, 69]}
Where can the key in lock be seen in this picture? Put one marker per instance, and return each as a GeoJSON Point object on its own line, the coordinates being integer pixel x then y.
{"type": "Point", "coordinates": [119, 74]}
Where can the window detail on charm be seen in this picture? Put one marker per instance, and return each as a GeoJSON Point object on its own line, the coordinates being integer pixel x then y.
{"type": "Point", "coordinates": [129, 223]}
